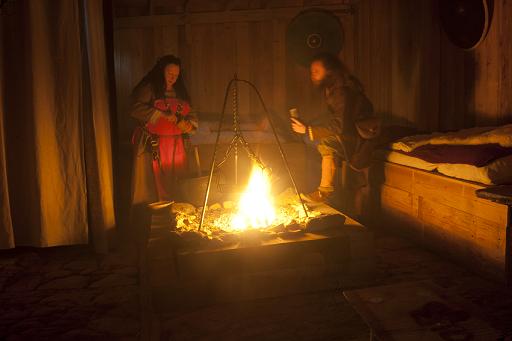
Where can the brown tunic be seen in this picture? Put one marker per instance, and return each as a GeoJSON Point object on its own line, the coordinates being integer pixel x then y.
{"type": "Point", "coordinates": [346, 103]}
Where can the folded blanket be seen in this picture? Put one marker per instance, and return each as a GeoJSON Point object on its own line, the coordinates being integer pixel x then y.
{"type": "Point", "coordinates": [475, 155]}
{"type": "Point", "coordinates": [473, 136]}
{"type": "Point", "coordinates": [497, 172]}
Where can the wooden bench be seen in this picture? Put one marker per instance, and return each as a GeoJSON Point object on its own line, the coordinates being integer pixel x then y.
{"type": "Point", "coordinates": [446, 215]}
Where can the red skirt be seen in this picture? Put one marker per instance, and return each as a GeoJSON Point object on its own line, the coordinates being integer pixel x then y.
{"type": "Point", "coordinates": [169, 157]}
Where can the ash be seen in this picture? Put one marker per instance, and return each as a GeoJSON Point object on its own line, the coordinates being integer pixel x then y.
{"type": "Point", "coordinates": [218, 230]}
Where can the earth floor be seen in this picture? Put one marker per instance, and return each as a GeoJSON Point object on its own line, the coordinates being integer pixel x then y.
{"type": "Point", "coordinates": [71, 293]}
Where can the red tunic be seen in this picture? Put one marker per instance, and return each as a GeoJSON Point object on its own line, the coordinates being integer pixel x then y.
{"type": "Point", "coordinates": [170, 162]}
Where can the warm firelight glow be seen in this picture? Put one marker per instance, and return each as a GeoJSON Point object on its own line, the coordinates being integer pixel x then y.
{"type": "Point", "coordinates": [256, 206]}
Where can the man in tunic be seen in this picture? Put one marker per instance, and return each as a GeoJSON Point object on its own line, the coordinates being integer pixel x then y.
{"type": "Point", "coordinates": [337, 136]}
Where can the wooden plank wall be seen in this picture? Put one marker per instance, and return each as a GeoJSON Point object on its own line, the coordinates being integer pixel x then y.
{"type": "Point", "coordinates": [475, 85]}
{"type": "Point", "coordinates": [415, 75]}
{"type": "Point", "coordinates": [136, 47]}
{"type": "Point", "coordinates": [411, 72]}
{"type": "Point", "coordinates": [398, 59]}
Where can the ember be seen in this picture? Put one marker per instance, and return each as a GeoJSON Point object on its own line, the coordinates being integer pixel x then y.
{"type": "Point", "coordinates": [256, 210]}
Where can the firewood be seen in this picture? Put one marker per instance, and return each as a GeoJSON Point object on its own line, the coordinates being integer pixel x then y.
{"type": "Point", "coordinates": [291, 234]}
{"type": "Point", "coordinates": [215, 206]}
{"type": "Point", "coordinates": [278, 228]}
{"type": "Point", "coordinates": [294, 227]}
{"type": "Point", "coordinates": [183, 208]}
{"type": "Point", "coordinates": [192, 238]}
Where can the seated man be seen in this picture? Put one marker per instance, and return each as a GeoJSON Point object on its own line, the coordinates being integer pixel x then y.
{"type": "Point", "coordinates": [338, 135]}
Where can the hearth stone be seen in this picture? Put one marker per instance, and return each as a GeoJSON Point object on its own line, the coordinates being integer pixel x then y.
{"type": "Point", "coordinates": [340, 257]}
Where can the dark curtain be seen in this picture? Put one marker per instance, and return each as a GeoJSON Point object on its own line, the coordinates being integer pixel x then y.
{"type": "Point", "coordinates": [55, 143]}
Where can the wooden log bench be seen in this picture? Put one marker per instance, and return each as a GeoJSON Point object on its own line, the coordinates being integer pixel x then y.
{"type": "Point", "coordinates": [446, 215]}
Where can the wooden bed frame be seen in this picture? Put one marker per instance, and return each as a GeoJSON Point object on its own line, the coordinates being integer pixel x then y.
{"type": "Point", "coordinates": [445, 215]}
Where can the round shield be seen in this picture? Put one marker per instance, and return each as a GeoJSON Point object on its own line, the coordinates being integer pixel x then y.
{"type": "Point", "coordinates": [466, 22]}
{"type": "Point", "coordinates": [313, 32]}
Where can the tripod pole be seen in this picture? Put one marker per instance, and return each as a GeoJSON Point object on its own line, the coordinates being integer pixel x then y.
{"type": "Point", "coordinates": [235, 125]}
{"type": "Point", "coordinates": [214, 157]}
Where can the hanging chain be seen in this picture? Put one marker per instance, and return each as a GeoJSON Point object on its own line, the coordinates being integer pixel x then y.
{"type": "Point", "coordinates": [236, 123]}
{"type": "Point", "coordinates": [238, 138]}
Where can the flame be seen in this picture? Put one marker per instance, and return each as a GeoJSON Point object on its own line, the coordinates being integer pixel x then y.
{"type": "Point", "coordinates": [256, 206]}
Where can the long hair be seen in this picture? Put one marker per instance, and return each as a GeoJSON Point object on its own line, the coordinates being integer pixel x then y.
{"type": "Point", "coordinates": [156, 79]}
{"type": "Point", "coordinates": [337, 70]}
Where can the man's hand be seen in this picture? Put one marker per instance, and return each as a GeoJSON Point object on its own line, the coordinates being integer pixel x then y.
{"type": "Point", "coordinates": [298, 126]}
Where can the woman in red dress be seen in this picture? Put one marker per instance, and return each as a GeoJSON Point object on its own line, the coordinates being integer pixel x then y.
{"type": "Point", "coordinates": [161, 105]}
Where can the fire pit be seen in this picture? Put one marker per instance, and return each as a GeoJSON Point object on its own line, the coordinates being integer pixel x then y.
{"type": "Point", "coordinates": [256, 216]}
{"type": "Point", "coordinates": [230, 223]}
{"type": "Point", "coordinates": [254, 243]}
{"type": "Point", "coordinates": [219, 263]}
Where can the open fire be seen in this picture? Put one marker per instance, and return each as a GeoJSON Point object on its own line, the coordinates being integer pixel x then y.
{"type": "Point", "coordinates": [256, 209]}
{"type": "Point", "coordinates": [256, 205]}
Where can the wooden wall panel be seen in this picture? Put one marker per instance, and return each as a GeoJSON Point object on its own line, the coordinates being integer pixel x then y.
{"type": "Point", "coordinates": [136, 45]}
{"type": "Point", "coordinates": [410, 70]}
{"type": "Point", "coordinates": [487, 68]}
{"type": "Point", "coordinates": [254, 50]}
{"type": "Point", "coordinates": [398, 51]}
{"type": "Point", "coordinates": [415, 75]}
{"type": "Point", "coordinates": [262, 64]}
{"type": "Point", "coordinates": [505, 41]}
{"type": "Point", "coordinates": [374, 44]}
{"type": "Point", "coordinates": [482, 94]}
{"type": "Point", "coordinates": [452, 98]}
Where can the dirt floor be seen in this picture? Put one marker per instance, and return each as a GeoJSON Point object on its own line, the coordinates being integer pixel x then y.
{"type": "Point", "coordinates": [70, 293]}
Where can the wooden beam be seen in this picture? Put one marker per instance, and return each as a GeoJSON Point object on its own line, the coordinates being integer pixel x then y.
{"type": "Point", "coordinates": [223, 17]}
{"type": "Point", "coordinates": [227, 5]}
{"type": "Point", "coordinates": [255, 15]}
{"type": "Point", "coordinates": [150, 7]}
{"type": "Point", "coordinates": [508, 247]}
{"type": "Point", "coordinates": [149, 21]}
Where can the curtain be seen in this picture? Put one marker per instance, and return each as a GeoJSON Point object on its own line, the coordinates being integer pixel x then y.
{"type": "Point", "coordinates": [55, 155]}
{"type": "Point", "coordinates": [6, 235]}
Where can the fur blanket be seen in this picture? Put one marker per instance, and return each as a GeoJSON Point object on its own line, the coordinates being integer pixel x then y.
{"type": "Point", "coordinates": [474, 136]}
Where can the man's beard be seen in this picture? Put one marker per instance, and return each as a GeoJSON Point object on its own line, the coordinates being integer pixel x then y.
{"type": "Point", "coordinates": [317, 83]}
{"type": "Point", "coordinates": [324, 82]}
